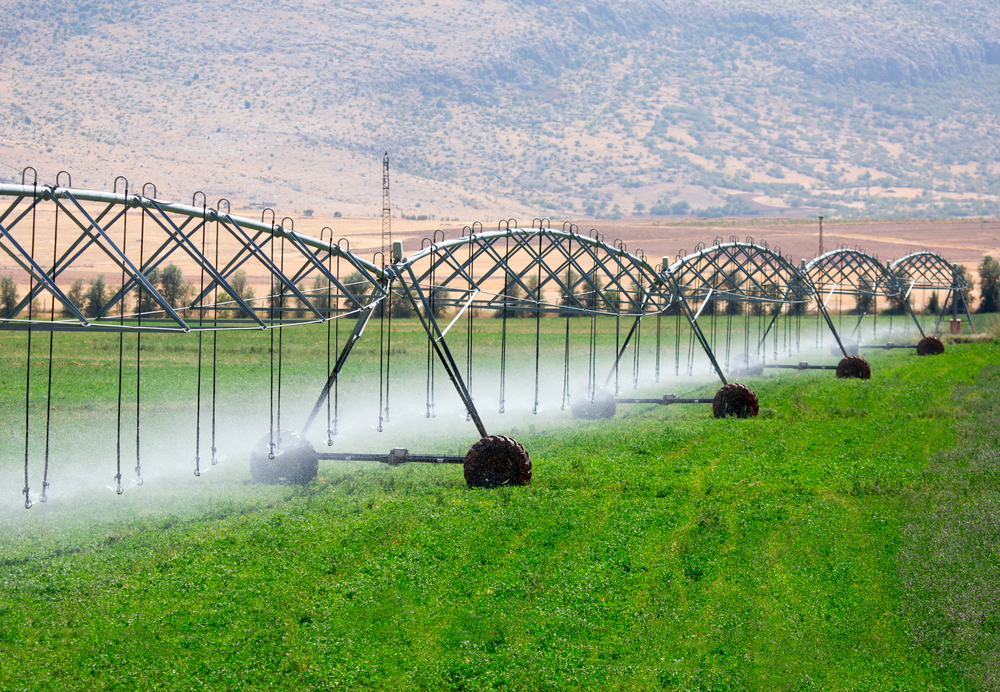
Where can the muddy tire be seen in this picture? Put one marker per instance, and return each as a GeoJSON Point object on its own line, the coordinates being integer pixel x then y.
{"type": "Point", "coordinates": [497, 460]}
{"type": "Point", "coordinates": [735, 400]}
{"type": "Point", "coordinates": [850, 345]}
{"type": "Point", "coordinates": [746, 365]}
{"type": "Point", "coordinates": [294, 461]}
{"type": "Point", "coordinates": [930, 346]}
{"type": "Point", "coordinates": [854, 366]}
{"type": "Point", "coordinates": [603, 405]}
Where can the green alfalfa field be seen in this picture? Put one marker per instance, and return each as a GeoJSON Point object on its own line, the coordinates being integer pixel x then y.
{"type": "Point", "coordinates": [844, 539]}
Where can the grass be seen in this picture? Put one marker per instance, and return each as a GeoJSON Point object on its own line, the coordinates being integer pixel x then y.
{"type": "Point", "coordinates": [659, 550]}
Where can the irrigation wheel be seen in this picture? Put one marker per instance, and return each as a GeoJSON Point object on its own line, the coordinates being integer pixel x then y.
{"type": "Point", "coordinates": [497, 460]}
{"type": "Point", "coordinates": [294, 461]}
{"type": "Point", "coordinates": [930, 346]}
{"type": "Point", "coordinates": [850, 345]}
{"type": "Point", "coordinates": [854, 366]}
{"type": "Point", "coordinates": [745, 364]}
{"type": "Point", "coordinates": [735, 400]}
{"type": "Point", "coordinates": [603, 405]}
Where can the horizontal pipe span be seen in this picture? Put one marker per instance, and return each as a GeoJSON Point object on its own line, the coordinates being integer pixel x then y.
{"type": "Point", "coordinates": [802, 366]}
{"type": "Point", "coordinates": [888, 347]}
{"type": "Point", "coordinates": [393, 459]}
{"type": "Point", "coordinates": [666, 401]}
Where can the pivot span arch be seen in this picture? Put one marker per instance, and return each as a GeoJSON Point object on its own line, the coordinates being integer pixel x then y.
{"type": "Point", "coordinates": [743, 276]}
{"type": "Point", "coordinates": [227, 271]}
{"type": "Point", "coordinates": [929, 271]}
{"type": "Point", "coordinates": [516, 272]}
{"type": "Point", "coordinates": [538, 269]}
{"type": "Point", "coordinates": [857, 274]}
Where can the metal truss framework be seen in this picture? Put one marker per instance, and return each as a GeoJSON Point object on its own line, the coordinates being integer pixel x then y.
{"type": "Point", "coordinates": [852, 272]}
{"type": "Point", "coordinates": [734, 271]}
{"type": "Point", "coordinates": [542, 270]}
{"type": "Point", "coordinates": [536, 271]}
{"type": "Point", "coordinates": [138, 235]}
{"type": "Point", "coordinates": [527, 272]}
{"type": "Point", "coordinates": [930, 271]}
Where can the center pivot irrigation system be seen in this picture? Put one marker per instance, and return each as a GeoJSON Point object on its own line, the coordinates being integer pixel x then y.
{"type": "Point", "coordinates": [55, 232]}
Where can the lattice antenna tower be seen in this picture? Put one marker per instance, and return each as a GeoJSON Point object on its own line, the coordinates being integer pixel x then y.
{"type": "Point", "coordinates": [386, 207]}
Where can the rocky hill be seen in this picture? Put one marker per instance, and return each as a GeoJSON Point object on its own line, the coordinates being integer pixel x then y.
{"type": "Point", "coordinates": [496, 108]}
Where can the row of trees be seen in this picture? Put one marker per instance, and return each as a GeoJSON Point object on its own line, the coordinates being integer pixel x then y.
{"type": "Point", "coordinates": [93, 297]}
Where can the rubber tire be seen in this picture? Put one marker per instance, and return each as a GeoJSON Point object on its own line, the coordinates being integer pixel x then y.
{"type": "Point", "coordinates": [854, 367]}
{"type": "Point", "coordinates": [930, 346]}
{"type": "Point", "coordinates": [849, 344]}
{"type": "Point", "coordinates": [735, 400]}
{"type": "Point", "coordinates": [746, 365]}
{"type": "Point", "coordinates": [295, 461]}
{"type": "Point", "coordinates": [497, 460]}
{"type": "Point", "coordinates": [603, 405]}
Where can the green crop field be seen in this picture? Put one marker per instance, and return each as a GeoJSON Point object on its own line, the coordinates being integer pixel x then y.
{"type": "Point", "coordinates": [844, 539]}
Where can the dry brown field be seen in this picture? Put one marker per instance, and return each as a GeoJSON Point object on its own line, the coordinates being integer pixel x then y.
{"type": "Point", "coordinates": [963, 242]}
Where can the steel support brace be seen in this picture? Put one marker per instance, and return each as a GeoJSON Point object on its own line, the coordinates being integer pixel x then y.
{"type": "Point", "coordinates": [953, 295]}
{"type": "Point", "coordinates": [359, 328]}
{"type": "Point", "coordinates": [906, 302]}
{"type": "Point", "coordinates": [697, 331]}
{"type": "Point", "coordinates": [770, 325]}
{"type": "Point", "coordinates": [433, 330]}
{"type": "Point", "coordinates": [621, 352]}
{"type": "Point", "coordinates": [833, 330]}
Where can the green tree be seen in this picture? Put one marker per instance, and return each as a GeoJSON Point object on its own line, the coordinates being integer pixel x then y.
{"type": "Point", "coordinates": [401, 307]}
{"type": "Point", "coordinates": [568, 294]}
{"type": "Point", "coordinates": [173, 288]}
{"type": "Point", "coordinates": [968, 297]}
{"type": "Point", "coordinates": [934, 304]}
{"type": "Point", "coordinates": [239, 284]}
{"type": "Point", "coordinates": [513, 293]}
{"type": "Point", "coordinates": [8, 296]}
{"type": "Point", "coordinates": [147, 304]}
{"type": "Point", "coordinates": [897, 303]}
{"type": "Point", "coordinates": [277, 299]}
{"type": "Point", "coordinates": [322, 293]}
{"type": "Point", "coordinates": [75, 295]}
{"type": "Point", "coordinates": [864, 300]}
{"type": "Point", "coordinates": [96, 297]}
{"type": "Point", "coordinates": [302, 310]}
{"type": "Point", "coordinates": [989, 285]}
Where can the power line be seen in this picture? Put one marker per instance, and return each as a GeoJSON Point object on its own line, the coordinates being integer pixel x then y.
{"type": "Point", "coordinates": [386, 207]}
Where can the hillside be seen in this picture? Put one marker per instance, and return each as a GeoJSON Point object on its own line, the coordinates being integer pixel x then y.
{"type": "Point", "coordinates": [662, 107]}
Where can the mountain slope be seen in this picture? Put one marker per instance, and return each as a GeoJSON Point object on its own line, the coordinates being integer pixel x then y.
{"type": "Point", "coordinates": [497, 108]}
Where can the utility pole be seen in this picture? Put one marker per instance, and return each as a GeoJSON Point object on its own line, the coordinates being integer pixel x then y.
{"type": "Point", "coordinates": [820, 234]}
{"type": "Point", "coordinates": [386, 208]}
